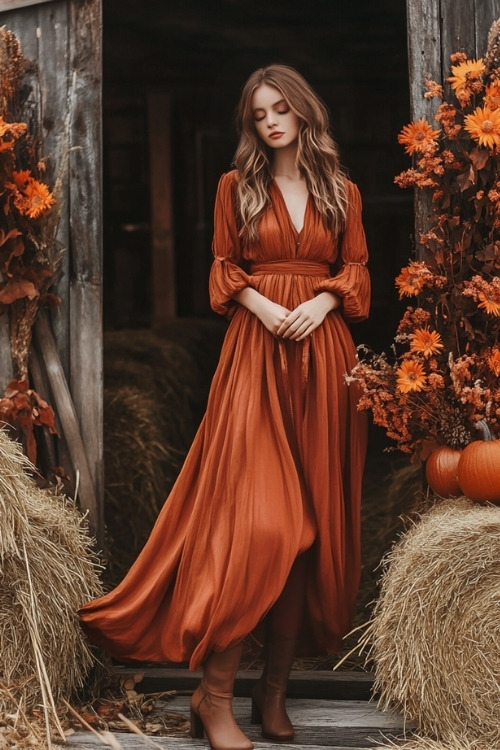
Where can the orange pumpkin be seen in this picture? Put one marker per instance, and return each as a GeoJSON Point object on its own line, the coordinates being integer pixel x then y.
{"type": "Point", "coordinates": [479, 468]}
{"type": "Point", "coordinates": [441, 471]}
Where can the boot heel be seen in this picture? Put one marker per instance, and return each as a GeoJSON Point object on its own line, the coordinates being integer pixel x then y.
{"type": "Point", "coordinates": [197, 730]}
{"type": "Point", "coordinates": [256, 717]}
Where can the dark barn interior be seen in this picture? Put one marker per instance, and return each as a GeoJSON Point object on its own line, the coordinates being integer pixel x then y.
{"type": "Point", "coordinates": [195, 55]}
{"type": "Point", "coordinates": [173, 71]}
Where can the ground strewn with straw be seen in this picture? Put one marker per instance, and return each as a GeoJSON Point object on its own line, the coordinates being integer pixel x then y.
{"type": "Point", "coordinates": [435, 632]}
{"type": "Point", "coordinates": [47, 571]}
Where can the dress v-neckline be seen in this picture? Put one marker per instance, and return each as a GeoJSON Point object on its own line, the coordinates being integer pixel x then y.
{"type": "Point", "coordinates": [298, 232]}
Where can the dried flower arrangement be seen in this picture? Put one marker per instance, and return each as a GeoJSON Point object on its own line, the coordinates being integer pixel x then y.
{"type": "Point", "coordinates": [29, 256]}
{"type": "Point", "coordinates": [442, 376]}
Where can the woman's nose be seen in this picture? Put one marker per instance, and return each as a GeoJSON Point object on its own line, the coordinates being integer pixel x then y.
{"type": "Point", "coordinates": [271, 119]}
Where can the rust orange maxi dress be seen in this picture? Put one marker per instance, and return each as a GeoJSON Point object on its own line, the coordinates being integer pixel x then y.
{"type": "Point", "coordinates": [275, 467]}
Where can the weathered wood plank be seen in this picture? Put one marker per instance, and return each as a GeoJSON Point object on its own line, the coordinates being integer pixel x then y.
{"type": "Point", "coordinates": [85, 295]}
{"type": "Point", "coordinates": [458, 30]}
{"type": "Point", "coordinates": [318, 724]}
{"type": "Point", "coordinates": [65, 410]}
{"type": "Point", "coordinates": [55, 80]}
{"type": "Point", "coordinates": [162, 230]}
{"type": "Point", "coordinates": [424, 63]}
{"type": "Point", "coordinates": [486, 14]}
{"type": "Point", "coordinates": [341, 685]}
{"type": "Point", "coordinates": [13, 4]}
{"type": "Point", "coordinates": [436, 29]}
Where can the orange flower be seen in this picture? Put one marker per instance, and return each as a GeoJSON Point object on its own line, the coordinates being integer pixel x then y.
{"type": "Point", "coordinates": [433, 89]}
{"type": "Point", "coordinates": [494, 362]}
{"type": "Point", "coordinates": [411, 281]}
{"type": "Point", "coordinates": [426, 342]}
{"type": "Point", "coordinates": [492, 95]}
{"type": "Point", "coordinates": [488, 304]}
{"type": "Point", "coordinates": [34, 199]}
{"type": "Point", "coordinates": [484, 126]}
{"type": "Point", "coordinates": [464, 74]}
{"type": "Point", "coordinates": [21, 178]}
{"type": "Point", "coordinates": [411, 376]}
{"type": "Point", "coordinates": [417, 136]}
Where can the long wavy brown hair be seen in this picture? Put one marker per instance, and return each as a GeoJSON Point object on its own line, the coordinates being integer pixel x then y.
{"type": "Point", "coordinates": [317, 154]}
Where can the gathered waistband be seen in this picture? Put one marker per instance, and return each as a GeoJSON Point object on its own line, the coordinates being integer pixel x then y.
{"type": "Point", "coordinates": [301, 267]}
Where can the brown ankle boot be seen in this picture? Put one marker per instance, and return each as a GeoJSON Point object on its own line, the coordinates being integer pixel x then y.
{"type": "Point", "coordinates": [211, 704]}
{"type": "Point", "coordinates": [269, 693]}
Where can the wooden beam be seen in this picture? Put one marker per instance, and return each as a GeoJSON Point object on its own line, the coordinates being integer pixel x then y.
{"type": "Point", "coordinates": [13, 4]}
{"type": "Point", "coordinates": [162, 234]}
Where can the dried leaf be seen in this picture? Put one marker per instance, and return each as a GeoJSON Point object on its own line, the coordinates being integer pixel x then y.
{"type": "Point", "coordinates": [17, 289]}
{"type": "Point", "coordinates": [479, 157]}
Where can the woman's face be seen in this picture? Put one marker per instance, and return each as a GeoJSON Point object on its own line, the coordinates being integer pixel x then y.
{"type": "Point", "coordinates": [276, 124]}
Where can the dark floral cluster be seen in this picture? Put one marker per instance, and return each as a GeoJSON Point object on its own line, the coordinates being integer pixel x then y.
{"type": "Point", "coordinates": [443, 373]}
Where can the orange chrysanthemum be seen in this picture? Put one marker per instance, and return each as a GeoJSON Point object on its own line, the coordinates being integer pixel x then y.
{"type": "Point", "coordinates": [411, 376]}
{"type": "Point", "coordinates": [484, 126]}
{"type": "Point", "coordinates": [34, 199]}
{"type": "Point", "coordinates": [465, 73]}
{"type": "Point", "coordinates": [417, 136]}
{"type": "Point", "coordinates": [492, 95]}
{"type": "Point", "coordinates": [411, 281]}
{"type": "Point", "coordinates": [488, 304]}
{"type": "Point", "coordinates": [426, 342]}
{"type": "Point", "coordinates": [494, 362]}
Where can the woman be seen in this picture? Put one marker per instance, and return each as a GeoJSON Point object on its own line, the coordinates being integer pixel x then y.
{"type": "Point", "coordinates": [263, 521]}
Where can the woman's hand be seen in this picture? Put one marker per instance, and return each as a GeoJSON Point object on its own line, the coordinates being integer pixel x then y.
{"type": "Point", "coordinates": [270, 314]}
{"type": "Point", "coordinates": [302, 321]}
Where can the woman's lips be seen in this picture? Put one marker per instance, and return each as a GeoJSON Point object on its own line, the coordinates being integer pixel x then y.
{"type": "Point", "coordinates": [277, 134]}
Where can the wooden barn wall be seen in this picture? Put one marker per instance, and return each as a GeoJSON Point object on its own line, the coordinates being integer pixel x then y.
{"type": "Point", "coordinates": [63, 37]}
{"type": "Point", "coordinates": [436, 29]}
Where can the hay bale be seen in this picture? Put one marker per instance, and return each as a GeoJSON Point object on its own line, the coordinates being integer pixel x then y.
{"type": "Point", "coordinates": [436, 631]}
{"type": "Point", "coordinates": [153, 397]}
{"type": "Point", "coordinates": [47, 571]}
{"type": "Point", "coordinates": [141, 465]}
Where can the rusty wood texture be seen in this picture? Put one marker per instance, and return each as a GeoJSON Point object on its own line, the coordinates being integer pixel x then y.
{"type": "Point", "coordinates": [436, 29]}
{"type": "Point", "coordinates": [63, 38]}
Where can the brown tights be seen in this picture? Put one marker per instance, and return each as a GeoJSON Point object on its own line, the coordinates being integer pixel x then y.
{"type": "Point", "coordinates": [285, 616]}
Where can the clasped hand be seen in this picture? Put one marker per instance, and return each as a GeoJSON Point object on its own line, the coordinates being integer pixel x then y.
{"type": "Point", "coordinates": [299, 323]}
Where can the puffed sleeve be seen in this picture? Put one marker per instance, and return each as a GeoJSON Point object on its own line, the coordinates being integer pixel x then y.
{"type": "Point", "coordinates": [352, 282]}
{"type": "Point", "coordinates": [226, 275]}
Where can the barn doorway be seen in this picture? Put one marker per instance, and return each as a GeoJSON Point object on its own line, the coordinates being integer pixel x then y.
{"type": "Point", "coordinates": [195, 56]}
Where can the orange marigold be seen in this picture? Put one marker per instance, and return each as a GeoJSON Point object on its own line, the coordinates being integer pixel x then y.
{"type": "Point", "coordinates": [484, 126]}
{"type": "Point", "coordinates": [34, 199]}
{"type": "Point", "coordinates": [410, 376]}
{"type": "Point", "coordinates": [426, 342]}
{"type": "Point", "coordinates": [418, 136]}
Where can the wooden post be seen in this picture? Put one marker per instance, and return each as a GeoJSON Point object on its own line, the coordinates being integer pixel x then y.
{"type": "Point", "coordinates": [436, 29]}
{"type": "Point", "coordinates": [162, 236]}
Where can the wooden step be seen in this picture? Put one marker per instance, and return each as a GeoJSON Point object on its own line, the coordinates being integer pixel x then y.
{"type": "Point", "coordinates": [327, 684]}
